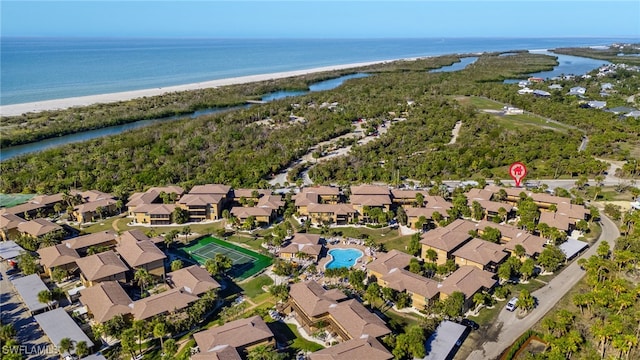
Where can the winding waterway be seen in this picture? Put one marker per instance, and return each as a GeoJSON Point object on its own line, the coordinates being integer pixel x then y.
{"type": "Point", "coordinates": [567, 65]}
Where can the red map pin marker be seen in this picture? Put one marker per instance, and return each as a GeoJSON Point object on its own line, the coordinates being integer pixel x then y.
{"type": "Point", "coordinates": [518, 171]}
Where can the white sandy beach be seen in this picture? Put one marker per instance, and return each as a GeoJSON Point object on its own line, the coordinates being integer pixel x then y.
{"type": "Point", "coordinates": [18, 109]}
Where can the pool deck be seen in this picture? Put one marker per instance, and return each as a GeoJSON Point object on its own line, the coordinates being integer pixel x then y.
{"type": "Point", "coordinates": [344, 244]}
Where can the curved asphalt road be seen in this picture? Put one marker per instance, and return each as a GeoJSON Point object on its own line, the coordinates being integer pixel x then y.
{"type": "Point", "coordinates": [510, 327]}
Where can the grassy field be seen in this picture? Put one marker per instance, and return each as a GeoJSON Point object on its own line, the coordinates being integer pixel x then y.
{"type": "Point", "coordinates": [253, 287]}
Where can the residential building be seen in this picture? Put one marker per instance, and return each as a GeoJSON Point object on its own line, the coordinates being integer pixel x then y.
{"type": "Point", "coordinates": [162, 303]}
{"type": "Point", "coordinates": [202, 207]}
{"type": "Point", "coordinates": [58, 256]}
{"type": "Point", "coordinates": [105, 301]}
{"type": "Point", "coordinates": [366, 347]}
{"type": "Point", "coordinates": [423, 291]}
{"type": "Point", "coordinates": [339, 214]}
{"type": "Point", "coordinates": [155, 195]}
{"type": "Point", "coordinates": [153, 214]}
{"type": "Point", "coordinates": [239, 336]}
{"type": "Point", "coordinates": [469, 280]}
{"type": "Point", "coordinates": [99, 240]}
{"type": "Point", "coordinates": [38, 228]}
{"type": "Point", "coordinates": [445, 241]}
{"type": "Point", "coordinates": [482, 254]}
{"type": "Point", "coordinates": [90, 211]}
{"type": "Point", "coordinates": [193, 279]}
{"type": "Point", "coordinates": [556, 220]}
{"type": "Point", "coordinates": [9, 226]}
{"type": "Point", "coordinates": [370, 196]}
{"type": "Point", "coordinates": [303, 244]}
{"type": "Point", "coordinates": [139, 252]}
{"type": "Point", "coordinates": [407, 198]}
{"type": "Point", "coordinates": [315, 195]}
{"type": "Point", "coordinates": [101, 267]}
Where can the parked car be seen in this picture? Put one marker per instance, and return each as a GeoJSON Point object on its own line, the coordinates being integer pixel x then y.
{"type": "Point", "coordinates": [470, 323]}
{"type": "Point", "coordinates": [511, 305]}
{"type": "Point", "coordinates": [12, 271]}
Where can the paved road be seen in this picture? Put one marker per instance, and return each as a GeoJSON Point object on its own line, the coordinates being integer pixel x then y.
{"type": "Point", "coordinates": [510, 327]}
{"type": "Point", "coordinates": [35, 345]}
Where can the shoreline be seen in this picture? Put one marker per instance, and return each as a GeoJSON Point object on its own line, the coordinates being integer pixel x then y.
{"type": "Point", "coordinates": [65, 103]}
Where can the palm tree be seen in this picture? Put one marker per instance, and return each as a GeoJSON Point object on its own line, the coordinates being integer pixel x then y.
{"type": "Point", "coordinates": [263, 352]}
{"type": "Point", "coordinates": [7, 332]}
{"type": "Point", "coordinates": [432, 255]}
{"type": "Point", "coordinates": [140, 327]}
{"type": "Point", "coordinates": [143, 278]}
{"type": "Point", "coordinates": [170, 348]}
{"type": "Point", "coordinates": [159, 331]}
{"type": "Point", "coordinates": [65, 346]}
{"type": "Point", "coordinates": [519, 250]}
{"type": "Point", "coordinates": [82, 349]}
{"type": "Point", "coordinates": [46, 297]}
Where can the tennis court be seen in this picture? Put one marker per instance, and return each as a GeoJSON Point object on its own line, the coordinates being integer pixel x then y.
{"type": "Point", "coordinates": [245, 262]}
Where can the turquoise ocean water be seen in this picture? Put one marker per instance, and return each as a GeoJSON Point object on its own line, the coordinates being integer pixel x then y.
{"type": "Point", "coordinates": [35, 69]}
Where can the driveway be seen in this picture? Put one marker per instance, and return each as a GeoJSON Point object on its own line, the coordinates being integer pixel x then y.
{"type": "Point", "coordinates": [34, 344]}
{"type": "Point", "coordinates": [509, 327]}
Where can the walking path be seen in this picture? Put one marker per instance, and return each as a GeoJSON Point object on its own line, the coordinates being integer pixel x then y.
{"type": "Point", "coordinates": [510, 327]}
{"type": "Point", "coordinates": [455, 132]}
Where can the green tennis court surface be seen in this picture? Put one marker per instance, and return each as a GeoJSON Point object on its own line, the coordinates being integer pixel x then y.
{"type": "Point", "coordinates": [9, 200]}
{"type": "Point", "coordinates": [245, 262]}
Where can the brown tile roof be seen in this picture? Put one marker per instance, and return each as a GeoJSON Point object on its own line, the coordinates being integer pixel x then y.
{"type": "Point", "coordinates": [478, 194]}
{"type": "Point", "coordinates": [338, 209]}
{"type": "Point", "coordinates": [248, 193]}
{"type": "Point", "coordinates": [164, 302]}
{"type": "Point", "coordinates": [493, 206]}
{"type": "Point", "coordinates": [10, 221]}
{"type": "Point", "coordinates": [467, 280]}
{"type": "Point", "coordinates": [271, 201]}
{"type": "Point", "coordinates": [138, 252]}
{"type": "Point", "coordinates": [407, 194]}
{"type": "Point", "coordinates": [132, 236]}
{"type": "Point", "coordinates": [370, 200]}
{"type": "Point", "coordinates": [321, 190]}
{"type": "Point", "coordinates": [507, 231]}
{"type": "Point", "coordinates": [306, 198]}
{"type": "Point", "coordinates": [426, 212]}
{"type": "Point", "coordinates": [57, 255]}
{"type": "Point", "coordinates": [94, 205]}
{"type": "Point", "coordinates": [292, 248]}
{"type": "Point", "coordinates": [388, 261]}
{"type": "Point", "coordinates": [155, 209]}
{"type": "Point", "coordinates": [95, 195]}
{"type": "Point", "coordinates": [404, 280]}
{"type": "Point", "coordinates": [482, 252]}
{"type": "Point", "coordinates": [238, 333]}
{"type": "Point", "coordinates": [200, 199]}
{"type": "Point", "coordinates": [106, 300]}
{"type": "Point", "coordinates": [370, 190]}
{"type": "Point", "coordinates": [211, 189]}
{"type": "Point", "coordinates": [139, 198]}
{"type": "Point", "coordinates": [532, 244]}
{"type": "Point", "coordinates": [220, 352]}
{"type": "Point", "coordinates": [573, 211]}
{"type": "Point", "coordinates": [364, 348]}
{"type": "Point", "coordinates": [102, 265]}
{"type": "Point", "coordinates": [46, 199]}
{"type": "Point", "coordinates": [193, 279]}
{"type": "Point", "coordinates": [449, 237]}
{"type": "Point", "coordinates": [244, 212]}
{"type": "Point", "coordinates": [356, 320]}
{"type": "Point", "coordinates": [306, 239]}
{"type": "Point", "coordinates": [38, 227]}
{"type": "Point", "coordinates": [313, 298]}
{"type": "Point", "coordinates": [556, 220]}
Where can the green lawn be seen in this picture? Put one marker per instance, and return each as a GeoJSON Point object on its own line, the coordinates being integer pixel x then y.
{"type": "Point", "coordinates": [254, 243]}
{"type": "Point", "coordinates": [253, 287]}
{"type": "Point", "coordinates": [302, 344]}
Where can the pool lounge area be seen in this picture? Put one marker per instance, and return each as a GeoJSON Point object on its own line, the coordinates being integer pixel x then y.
{"type": "Point", "coordinates": [346, 257]}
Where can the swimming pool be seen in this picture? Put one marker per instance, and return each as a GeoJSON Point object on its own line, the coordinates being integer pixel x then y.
{"type": "Point", "coordinates": [343, 258]}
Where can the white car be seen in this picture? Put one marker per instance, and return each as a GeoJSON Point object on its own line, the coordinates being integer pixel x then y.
{"type": "Point", "coordinates": [511, 305]}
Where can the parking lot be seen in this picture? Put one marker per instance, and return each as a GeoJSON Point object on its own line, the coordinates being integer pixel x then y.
{"type": "Point", "coordinates": [33, 343]}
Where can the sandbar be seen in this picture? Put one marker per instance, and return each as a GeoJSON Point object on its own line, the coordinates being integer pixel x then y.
{"type": "Point", "coordinates": [58, 104]}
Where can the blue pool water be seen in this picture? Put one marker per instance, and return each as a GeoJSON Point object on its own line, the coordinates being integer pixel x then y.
{"type": "Point", "coordinates": [343, 258]}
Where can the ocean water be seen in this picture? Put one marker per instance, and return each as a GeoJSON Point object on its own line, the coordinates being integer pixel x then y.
{"type": "Point", "coordinates": [35, 69]}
